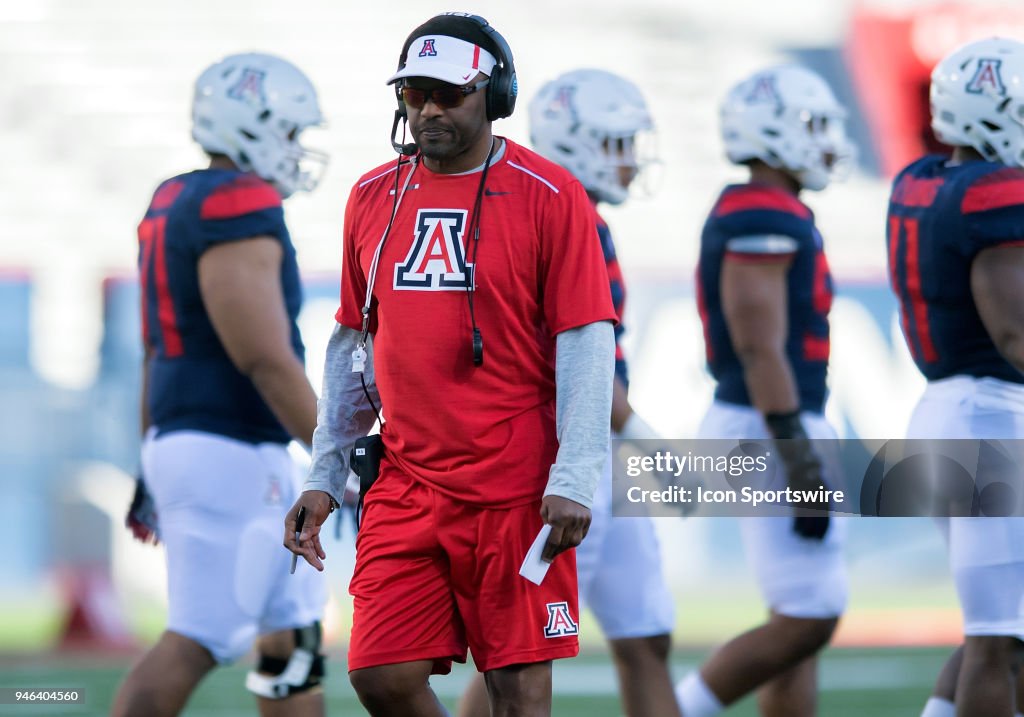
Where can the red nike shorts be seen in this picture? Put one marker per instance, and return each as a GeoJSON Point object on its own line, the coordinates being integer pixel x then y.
{"type": "Point", "coordinates": [435, 576]}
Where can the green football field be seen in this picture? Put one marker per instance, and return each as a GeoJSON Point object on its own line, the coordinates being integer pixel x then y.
{"type": "Point", "coordinates": [880, 682]}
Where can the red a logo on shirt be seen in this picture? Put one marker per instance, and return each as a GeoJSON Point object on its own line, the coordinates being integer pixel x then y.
{"type": "Point", "coordinates": [437, 258]}
{"type": "Point", "coordinates": [560, 622]}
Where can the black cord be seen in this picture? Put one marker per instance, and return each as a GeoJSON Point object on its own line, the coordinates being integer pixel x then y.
{"type": "Point", "coordinates": [478, 340]}
{"type": "Point", "coordinates": [366, 392]}
{"type": "Point", "coordinates": [366, 321]}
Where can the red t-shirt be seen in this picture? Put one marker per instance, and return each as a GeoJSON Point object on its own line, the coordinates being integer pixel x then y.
{"type": "Point", "coordinates": [482, 434]}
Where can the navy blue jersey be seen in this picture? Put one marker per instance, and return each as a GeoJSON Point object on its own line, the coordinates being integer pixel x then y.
{"type": "Point", "coordinates": [618, 287]}
{"type": "Point", "coordinates": [753, 223]}
{"type": "Point", "coordinates": [192, 382]}
{"type": "Point", "coordinates": [940, 218]}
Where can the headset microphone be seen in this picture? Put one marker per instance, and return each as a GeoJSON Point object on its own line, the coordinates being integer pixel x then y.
{"type": "Point", "coordinates": [403, 149]}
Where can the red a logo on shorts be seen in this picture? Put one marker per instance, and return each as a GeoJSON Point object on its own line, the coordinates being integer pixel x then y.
{"type": "Point", "coordinates": [560, 622]}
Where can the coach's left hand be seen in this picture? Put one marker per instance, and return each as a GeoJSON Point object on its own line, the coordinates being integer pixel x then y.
{"type": "Point", "coordinates": [569, 523]}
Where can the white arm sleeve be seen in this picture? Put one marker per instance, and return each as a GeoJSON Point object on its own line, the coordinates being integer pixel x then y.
{"type": "Point", "coordinates": [343, 413]}
{"type": "Point", "coordinates": [584, 371]}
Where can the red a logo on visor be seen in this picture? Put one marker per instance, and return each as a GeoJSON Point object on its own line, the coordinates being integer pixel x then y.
{"type": "Point", "coordinates": [428, 48]}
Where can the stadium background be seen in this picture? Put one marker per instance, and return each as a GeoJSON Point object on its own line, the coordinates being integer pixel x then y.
{"type": "Point", "coordinates": [94, 111]}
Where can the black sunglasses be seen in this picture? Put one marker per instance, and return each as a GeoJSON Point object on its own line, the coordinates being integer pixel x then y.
{"type": "Point", "coordinates": [445, 97]}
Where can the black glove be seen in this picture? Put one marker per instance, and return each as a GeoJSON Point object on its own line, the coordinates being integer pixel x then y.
{"type": "Point", "coordinates": [141, 518]}
{"type": "Point", "coordinates": [803, 470]}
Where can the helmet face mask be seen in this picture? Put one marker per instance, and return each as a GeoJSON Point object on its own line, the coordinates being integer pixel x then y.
{"type": "Point", "coordinates": [596, 125]}
{"type": "Point", "coordinates": [788, 118]}
{"type": "Point", "coordinates": [252, 108]}
{"type": "Point", "coordinates": [977, 99]}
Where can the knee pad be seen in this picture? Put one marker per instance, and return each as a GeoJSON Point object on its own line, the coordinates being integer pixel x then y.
{"type": "Point", "coordinates": [277, 679]}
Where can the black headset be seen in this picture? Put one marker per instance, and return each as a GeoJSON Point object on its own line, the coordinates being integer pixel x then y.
{"type": "Point", "coordinates": [501, 91]}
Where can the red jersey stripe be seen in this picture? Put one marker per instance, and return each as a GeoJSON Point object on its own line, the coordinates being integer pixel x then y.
{"type": "Point", "coordinates": [166, 195]}
{"type": "Point", "coordinates": [822, 296]}
{"type": "Point", "coordinates": [916, 192]}
{"type": "Point", "coordinates": [762, 198]}
{"type": "Point", "coordinates": [894, 280]}
{"type": "Point", "coordinates": [239, 198]}
{"type": "Point", "coordinates": [165, 302]}
{"type": "Point", "coordinates": [1005, 174]}
{"type": "Point", "coordinates": [914, 292]}
{"type": "Point", "coordinates": [816, 348]}
{"type": "Point", "coordinates": [984, 196]}
{"type": "Point", "coordinates": [146, 246]}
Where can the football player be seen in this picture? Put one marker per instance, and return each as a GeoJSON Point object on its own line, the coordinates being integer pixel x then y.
{"type": "Point", "coordinates": [956, 263]}
{"type": "Point", "coordinates": [225, 391]}
{"type": "Point", "coordinates": [764, 291]}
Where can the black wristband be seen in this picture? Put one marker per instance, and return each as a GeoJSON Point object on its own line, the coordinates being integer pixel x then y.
{"type": "Point", "coordinates": [785, 425]}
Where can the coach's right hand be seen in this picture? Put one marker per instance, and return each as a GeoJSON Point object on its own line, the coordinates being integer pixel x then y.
{"type": "Point", "coordinates": [569, 523]}
{"type": "Point", "coordinates": [319, 505]}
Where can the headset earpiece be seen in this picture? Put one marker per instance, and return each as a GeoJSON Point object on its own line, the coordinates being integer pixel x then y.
{"type": "Point", "coordinates": [403, 111]}
{"type": "Point", "coordinates": [503, 87]}
{"type": "Point", "coordinates": [401, 116]}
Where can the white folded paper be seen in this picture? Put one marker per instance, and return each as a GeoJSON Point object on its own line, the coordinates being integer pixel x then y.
{"type": "Point", "coordinates": [534, 569]}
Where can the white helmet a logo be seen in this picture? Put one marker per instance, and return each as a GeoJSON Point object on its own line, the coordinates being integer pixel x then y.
{"type": "Point", "coordinates": [987, 78]}
{"type": "Point", "coordinates": [249, 87]}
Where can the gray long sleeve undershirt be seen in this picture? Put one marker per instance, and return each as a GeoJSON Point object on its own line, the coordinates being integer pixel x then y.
{"type": "Point", "coordinates": [343, 413]}
{"type": "Point", "coordinates": [584, 372]}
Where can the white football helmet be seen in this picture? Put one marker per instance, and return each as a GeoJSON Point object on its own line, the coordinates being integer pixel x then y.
{"type": "Point", "coordinates": [787, 117]}
{"type": "Point", "coordinates": [252, 108]}
{"type": "Point", "coordinates": [977, 99]}
{"type": "Point", "coordinates": [596, 125]}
